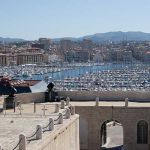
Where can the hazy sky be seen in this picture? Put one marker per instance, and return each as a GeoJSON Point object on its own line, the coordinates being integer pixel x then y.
{"type": "Point", "coordinates": [31, 19]}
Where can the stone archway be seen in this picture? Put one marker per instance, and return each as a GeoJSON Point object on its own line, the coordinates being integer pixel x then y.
{"type": "Point", "coordinates": [127, 116]}
{"type": "Point", "coordinates": [111, 135]}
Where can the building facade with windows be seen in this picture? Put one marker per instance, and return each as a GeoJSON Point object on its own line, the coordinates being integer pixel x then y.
{"type": "Point", "coordinates": [31, 58]}
{"type": "Point", "coordinates": [3, 60]}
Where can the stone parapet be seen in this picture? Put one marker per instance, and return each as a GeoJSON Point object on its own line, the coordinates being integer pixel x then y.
{"type": "Point", "coordinates": [106, 95]}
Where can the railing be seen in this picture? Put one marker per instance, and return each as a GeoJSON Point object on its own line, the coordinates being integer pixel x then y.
{"type": "Point", "coordinates": [35, 109]}
{"type": "Point", "coordinates": [65, 114]}
{"type": "Point", "coordinates": [50, 125]}
{"type": "Point", "coordinates": [29, 137]}
{"type": "Point", "coordinates": [59, 120]}
{"type": "Point", "coordinates": [17, 144]}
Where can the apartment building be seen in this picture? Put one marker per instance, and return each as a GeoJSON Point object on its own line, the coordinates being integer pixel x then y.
{"type": "Point", "coordinates": [3, 60]}
{"type": "Point", "coordinates": [31, 58]}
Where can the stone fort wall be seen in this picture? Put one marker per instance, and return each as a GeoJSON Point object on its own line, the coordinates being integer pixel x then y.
{"type": "Point", "coordinates": [30, 97]}
{"type": "Point", "coordinates": [65, 138]}
{"type": "Point", "coordinates": [88, 96]}
{"type": "Point", "coordinates": [106, 95]}
{"type": "Point", "coordinates": [92, 118]}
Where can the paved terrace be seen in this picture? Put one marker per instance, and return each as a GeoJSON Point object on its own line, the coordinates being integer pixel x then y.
{"type": "Point", "coordinates": [25, 120]}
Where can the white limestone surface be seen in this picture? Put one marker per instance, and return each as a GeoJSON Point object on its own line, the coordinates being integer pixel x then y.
{"type": "Point", "coordinates": [12, 127]}
{"type": "Point", "coordinates": [110, 103]}
{"type": "Point", "coordinates": [13, 124]}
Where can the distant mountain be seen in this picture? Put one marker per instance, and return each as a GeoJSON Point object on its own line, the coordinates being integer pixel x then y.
{"type": "Point", "coordinates": [10, 40]}
{"type": "Point", "coordinates": [98, 37]}
{"type": "Point", "coordinates": [113, 36]}
{"type": "Point", "coordinates": [119, 36]}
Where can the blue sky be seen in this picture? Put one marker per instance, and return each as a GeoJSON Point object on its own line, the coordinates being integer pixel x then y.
{"type": "Point", "coordinates": [31, 19]}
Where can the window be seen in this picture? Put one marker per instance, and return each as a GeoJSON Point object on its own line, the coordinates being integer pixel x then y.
{"type": "Point", "coordinates": [142, 132]}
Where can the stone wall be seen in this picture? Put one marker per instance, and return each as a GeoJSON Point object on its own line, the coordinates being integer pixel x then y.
{"type": "Point", "coordinates": [31, 97]}
{"type": "Point", "coordinates": [92, 118]}
{"type": "Point", "coordinates": [106, 95]}
{"type": "Point", "coordinates": [88, 96]}
{"type": "Point", "coordinates": [64, 138]}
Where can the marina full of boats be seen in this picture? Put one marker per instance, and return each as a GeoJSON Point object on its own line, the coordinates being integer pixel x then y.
{"type": "Point", "coordinates": [125, 78]}
{"type": "Point", "coordinates": [87, 77]}
{"type": "Point", "coordinates": [29, 70]}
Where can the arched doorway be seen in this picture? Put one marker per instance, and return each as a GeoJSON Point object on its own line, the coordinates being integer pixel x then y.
{"type": "Point", "coordinates": [111, 135]}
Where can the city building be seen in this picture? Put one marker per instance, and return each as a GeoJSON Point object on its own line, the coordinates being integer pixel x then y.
{"type": "Point", "coordinates": [82, 56]}
{"type": "Point", "coordinates": [46, 42]}
{"type": "Point", "coordinates": [87, 44]}
{"type": "Point", "coordinates": [70, 56]}
{"type": "Point", "coordinates": [65, 45]}
{"type": "Point", "coordinates": [117, 55]}
{"type": "Point", "coordinates": [147, 57]}
{"type": "Point", "coordinates": [37, 45]}
{"type": "Point", "coordinates": [3, 60]}
{"type": "Point", "coordinates": [31, 58]}
{"type": "Point", "coordinates": [77, 56]}
{"type": "Point", "coordinates": [33, 50]}
{"type": "Point", "coordinates": [98, 57]}
{"type": "Point", "coordinates": [127, 56]}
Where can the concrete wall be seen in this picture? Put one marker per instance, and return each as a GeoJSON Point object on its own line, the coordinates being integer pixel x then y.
{"type": "Point", "coordinates": [30, 97]}
{"type": "Point", "coordinates": [106, 95]}
{"type": "Point", "coordinates": [65, 138]}
{"type": "Point", "coordinates": [93, 117]}
{"type": "Point", "coordinates": [87, 96]}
